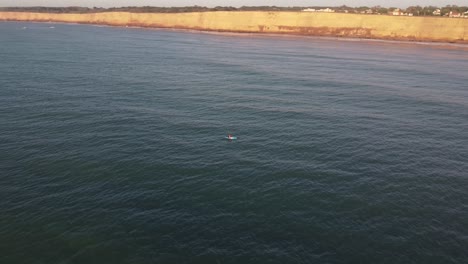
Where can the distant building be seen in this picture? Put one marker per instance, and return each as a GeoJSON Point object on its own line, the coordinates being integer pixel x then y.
{"type": "Point", "coordinates": [436, 12]}
{"type": "Point", "coordinates": [397, 12]}
{"type": "Point", "coordinates": [454, 14]}
{"type": "Point", "coordinates": [326, 10]}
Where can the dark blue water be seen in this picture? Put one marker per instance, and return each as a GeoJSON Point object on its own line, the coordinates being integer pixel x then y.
{"type": "Point", "coordinates": [112, 148]}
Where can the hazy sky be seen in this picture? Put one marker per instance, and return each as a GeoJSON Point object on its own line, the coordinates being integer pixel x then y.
{"type": "Point", "coordinates": [211, 3]}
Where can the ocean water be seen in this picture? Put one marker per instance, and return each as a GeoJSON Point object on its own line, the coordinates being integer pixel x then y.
{"type": "Point", "coordinates": [112, 148]}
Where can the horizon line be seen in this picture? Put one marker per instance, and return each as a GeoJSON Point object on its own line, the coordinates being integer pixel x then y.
{"type": "Point", "coordinates": [180, 6]}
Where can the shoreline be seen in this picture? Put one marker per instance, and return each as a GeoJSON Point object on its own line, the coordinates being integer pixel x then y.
{"type": "Point", "coordinates": [435, 44]}
{"type": "Point", "coordinates": [340, 26]}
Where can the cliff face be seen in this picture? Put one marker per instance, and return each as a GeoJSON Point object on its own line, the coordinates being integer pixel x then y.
{"type": "Point", "coordinates": [303, 23]}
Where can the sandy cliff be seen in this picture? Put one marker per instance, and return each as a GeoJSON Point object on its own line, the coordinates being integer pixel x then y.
{"type": "Point", "coordinates": [303, 23]}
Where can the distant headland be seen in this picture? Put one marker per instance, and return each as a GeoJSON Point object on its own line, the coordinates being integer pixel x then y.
{"type": "Point", "coordinates": [448, 24]}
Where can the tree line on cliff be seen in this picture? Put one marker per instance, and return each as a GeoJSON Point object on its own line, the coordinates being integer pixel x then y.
{"type": "Point", "coordinates": [414, 10]}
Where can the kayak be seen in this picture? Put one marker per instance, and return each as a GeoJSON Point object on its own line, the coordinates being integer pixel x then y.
{"type": "Point", "coordinates": [231, 138]}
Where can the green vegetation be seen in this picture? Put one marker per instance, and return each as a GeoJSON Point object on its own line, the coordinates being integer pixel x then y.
{"type": "Point", "coordinates": [413, 10]}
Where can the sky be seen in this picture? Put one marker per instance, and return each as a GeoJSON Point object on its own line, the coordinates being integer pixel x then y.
{"type": "Point", "coordinates": [236, 3]}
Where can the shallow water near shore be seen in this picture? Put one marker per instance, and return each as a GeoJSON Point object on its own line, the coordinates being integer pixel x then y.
{"type": "Point", "coordinates": [113, 149]}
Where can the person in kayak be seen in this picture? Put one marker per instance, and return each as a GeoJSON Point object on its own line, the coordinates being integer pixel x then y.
{"type": "Point", "coordinates": [229, 136]}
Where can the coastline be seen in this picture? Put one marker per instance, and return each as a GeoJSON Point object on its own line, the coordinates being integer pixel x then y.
{"type": "Point", "coordinates": [420, 29]}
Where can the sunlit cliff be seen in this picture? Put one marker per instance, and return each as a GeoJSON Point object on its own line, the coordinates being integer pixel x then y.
{"type": "Point", "coordinates": [436, 29]}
